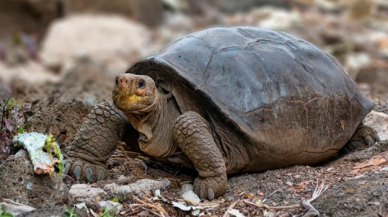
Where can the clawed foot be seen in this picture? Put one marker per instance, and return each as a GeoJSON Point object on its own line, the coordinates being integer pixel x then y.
{"type": "Point", "coordinates": [211, 187]}
{"type": "Point", "coordinates": [84, 171]}
{"type": "Point", "coordinates": [363, 137]}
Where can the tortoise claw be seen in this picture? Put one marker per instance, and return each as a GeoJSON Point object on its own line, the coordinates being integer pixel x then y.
{"type": "Point", "coordinates": [363, 137]}
{"type": "Point", "coordinates": [210, 188]}
{"type": "Point", "coordinates": [210, 193]}
{"type": "Point", "coordinates": [369, 141]}
{"type": "Point", "coordinates": [84, 171]}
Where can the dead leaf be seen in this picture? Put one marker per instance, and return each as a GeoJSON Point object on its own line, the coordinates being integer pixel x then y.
{"type": "Point", "coordinates": [372, 162]}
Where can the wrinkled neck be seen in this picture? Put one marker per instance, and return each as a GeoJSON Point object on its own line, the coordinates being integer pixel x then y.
{"type": "Point", "coordinates": [154, 125]}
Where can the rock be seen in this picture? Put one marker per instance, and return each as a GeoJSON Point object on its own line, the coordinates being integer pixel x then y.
{"type": "Point", "coordinates": [145, 185]}
{"type": "Point", "coordinates": [91, 202]}
{"type": "Point", "coordinates": [111, 205]}
{"type": "Point", "coordinates": [379, 122]}
{"type": "Point", "coordinates": [102, 38]}
{"type": "Point", "coordinates": [186, 187]}
{"type": "Point", "coordinates": [19, 182]}
{"type": "Point", "coordinates": [86, 191]}
{"type": "Point", "coordinates": [80, 192]}
{"type": "Point", "coordinates": [82, 207]}
{"type": "Point", "coordinates": [190, 195]}
{"type": "Point", "coordinates": [23, 72]}
{"type": "Point", "coordinates": [125, 192]}
{"type": "Point", "coordinates": [16, 209]}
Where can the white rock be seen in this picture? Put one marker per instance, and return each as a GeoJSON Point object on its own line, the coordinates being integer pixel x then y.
{"type": "Point", "coordinates": [110, 205]}
{"type": "Point", "coordinates": [16, 209]}
{"type": "Point", "coordinates": [105, 38]}
{"type": "Point", "coordinates": [236, 213]}
{"type": "Point", "coordinates": [186, 188]}
{"type": "Point", "coordinates": [190, 195]}
{"type": "Point", "coordinates": [379, 122]}
{"type": "Point", "coordinates": [30, 72]}
{"type": "Point", "coordinates": [144, 185]}
{"type": "Point", "coordinates": [111, 188]}
{"type": "Point", "coordinates": [84, 190]}
{"type": "Point", "coordinates": [82, 206]}
{"type": "Point", "coordinates": [123, 193]}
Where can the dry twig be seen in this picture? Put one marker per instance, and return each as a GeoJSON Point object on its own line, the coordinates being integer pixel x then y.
{"type": "Point", "coordinates": [319, 190]}
{"type": "Point", "coordinates": [230, 208]}
{"type": "Point", "coordinates": [202, 204]}
{"type": "Point", "coordinates": [148, 210]}
{"type": "Point", "coordinates": [160, 209]}
{"type": "Point", "coordinates": [271, 194]}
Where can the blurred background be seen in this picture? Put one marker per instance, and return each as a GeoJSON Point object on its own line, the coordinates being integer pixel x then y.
{"type": "Point", "coordinates": [41, 40]}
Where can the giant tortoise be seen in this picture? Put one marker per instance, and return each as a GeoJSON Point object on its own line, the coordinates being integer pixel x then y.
{"type": "Point", "coordinates": [224, 101]}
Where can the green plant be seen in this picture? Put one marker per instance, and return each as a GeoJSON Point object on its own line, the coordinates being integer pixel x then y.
{"type": "Point", "coordinates": [108, 212]}
{"type": "Point", "coordinates": [4, 214]}
{"type": "Point", "coordinates": [70, 213]}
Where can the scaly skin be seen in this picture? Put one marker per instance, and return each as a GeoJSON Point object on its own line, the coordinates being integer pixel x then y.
{"type": "Point", "coordinates": [193, 136]}
{"type": "Point", "coordinates": [95, 143]}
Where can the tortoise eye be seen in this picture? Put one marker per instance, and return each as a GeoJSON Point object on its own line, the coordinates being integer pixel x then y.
{"type": "Point", "coordinates": [141, 84]}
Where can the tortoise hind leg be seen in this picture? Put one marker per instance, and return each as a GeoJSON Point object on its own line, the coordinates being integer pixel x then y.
{"type": "Point", "coordinates": [363, 137]}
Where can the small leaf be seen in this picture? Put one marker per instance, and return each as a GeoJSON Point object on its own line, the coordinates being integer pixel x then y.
{"type": "Point", "coordinates": [20, 129]}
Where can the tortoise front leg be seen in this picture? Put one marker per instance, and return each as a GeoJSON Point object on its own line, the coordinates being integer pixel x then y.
{"type": "Point", "coordinates": [192, 134]}
{"type": "Point", "coordinates": [95, 142]}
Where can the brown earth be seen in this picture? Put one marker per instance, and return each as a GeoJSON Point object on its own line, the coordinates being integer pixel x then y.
{"type": "Point", "coordinates": [357, 183]}
{"type": "Point", "coordinates": [351, 192]}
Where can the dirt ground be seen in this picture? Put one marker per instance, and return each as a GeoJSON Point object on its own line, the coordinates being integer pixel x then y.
{"type": "Point", "coordinates": [350, 192]}
{"type": "Point", "coordinates": [357, 183]}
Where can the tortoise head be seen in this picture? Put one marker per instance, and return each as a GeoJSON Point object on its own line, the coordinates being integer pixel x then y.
{"type": "Point", "coordinates": [134, 93]}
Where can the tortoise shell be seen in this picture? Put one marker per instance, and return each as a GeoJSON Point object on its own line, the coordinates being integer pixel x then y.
{"type": "Point", "coordinates": [280, 94]}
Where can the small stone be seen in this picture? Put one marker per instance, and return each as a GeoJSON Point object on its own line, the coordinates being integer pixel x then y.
{"type": "Point", "coordinates": [186, 188]}
{"type": "Point", "coordinates": [145, 185]}
{"type": "Point", "coordinates": [16, 209]}
{"type": "Point", "coordinates": [190, 195]}
{"type": "Point", "coordinates": [111, 205]}
{"type": "Point", "coordinates": [379, 122]}
{"type": "Point", "coordinates": [86, 191]}
{"type": "Point", "coordinates": [126, 192]}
